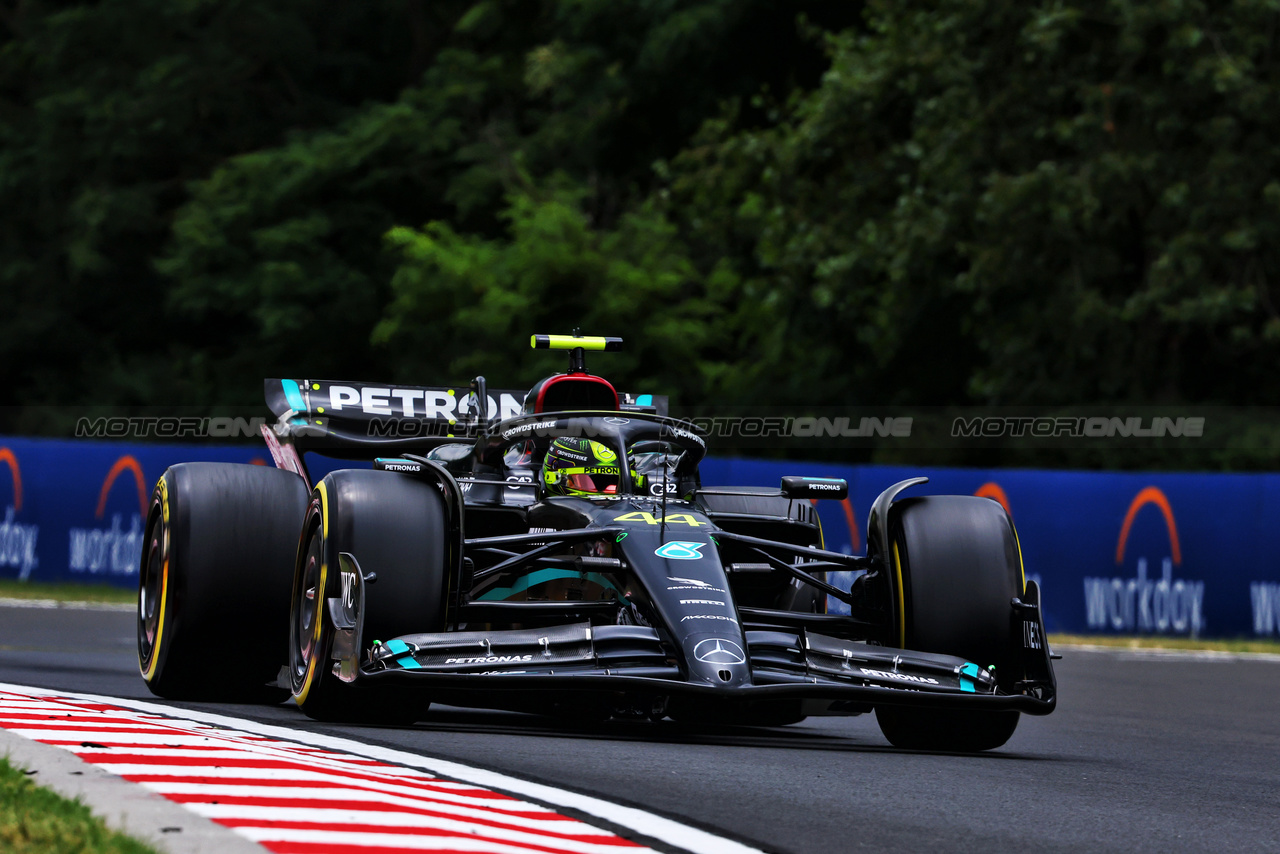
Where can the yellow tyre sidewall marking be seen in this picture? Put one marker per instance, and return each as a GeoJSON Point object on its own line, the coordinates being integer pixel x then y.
{"type": "Point", "coordinates": [309, 679]}
{"type": "Point", "coordinates": [149, 673]}
{"type": "Point", "coordinates": [902, 605]}
{"type": "Point", "coordinates": [1022, 569]}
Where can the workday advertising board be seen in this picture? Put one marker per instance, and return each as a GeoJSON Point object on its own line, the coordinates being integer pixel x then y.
{"type": "Point", "coordinates": [76, 511]}
{"type": "Point", "coordinates": [1167, 554]}
{"type": "Point", "coordinates": [1115, 553]}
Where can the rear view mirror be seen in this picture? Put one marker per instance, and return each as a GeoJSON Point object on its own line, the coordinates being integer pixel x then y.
{"type": "Point", "coordinates": [815, 487]}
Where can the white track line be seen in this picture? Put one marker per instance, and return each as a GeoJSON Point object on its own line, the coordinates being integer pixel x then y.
{"type": "Point", "coordinates": [1164, 654]}
{"type": "Point", "coordinates": [7, 602]}
{"type": "Point", "coordinates": [665, 830]}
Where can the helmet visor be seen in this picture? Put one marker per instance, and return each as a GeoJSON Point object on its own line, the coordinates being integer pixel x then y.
{"type": "Point", "coordinates": [602, 484]}
{"type": "Point", "coordinates": [598, 480]}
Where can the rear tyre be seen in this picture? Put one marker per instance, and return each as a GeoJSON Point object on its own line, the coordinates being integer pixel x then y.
{"type": "Point", "coordinates": [957, 565]}
{"type": "Point", "coordinates": [214, 584]}
{"type": "Point", "coordinates": [395, 527]}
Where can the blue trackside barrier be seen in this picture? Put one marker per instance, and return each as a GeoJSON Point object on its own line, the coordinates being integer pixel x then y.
{"type": "Point", "coordinates": [1115, 553]}
{"type": "Point", "coordinates": [76, 511]}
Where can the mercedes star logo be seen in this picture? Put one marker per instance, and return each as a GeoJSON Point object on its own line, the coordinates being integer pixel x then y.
{"type": "Point", "coordinates": [719, 651]}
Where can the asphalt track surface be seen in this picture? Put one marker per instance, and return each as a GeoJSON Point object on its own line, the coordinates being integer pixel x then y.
{"type": "Point", "coordinates": [1145, 753]}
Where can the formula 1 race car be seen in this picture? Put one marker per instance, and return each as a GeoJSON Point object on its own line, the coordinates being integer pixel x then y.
{"type": "Point", "coordinates": [563, 557]}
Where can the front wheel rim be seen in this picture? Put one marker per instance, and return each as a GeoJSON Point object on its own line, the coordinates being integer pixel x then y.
{"type": "Point", "coordinates": [308, 601]}
{"type": "Point", "coordinates": [151, 585]}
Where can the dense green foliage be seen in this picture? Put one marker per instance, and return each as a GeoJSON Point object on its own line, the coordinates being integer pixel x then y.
{"type": "Point", "coordinates": [1074, 200]}
{"type": "Point", "coordinates": [956, 202]}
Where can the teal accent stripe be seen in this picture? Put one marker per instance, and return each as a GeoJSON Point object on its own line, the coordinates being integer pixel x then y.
{"type": "Point", "coordinates": [408, 662]}
{"type": "Point", "coordinates": [644, 400]}
{"type": "Point", "coordinates": [965, 684]}
{"type": "Point", "coordinates": [541, 576]}
{"type": "Point", "coordinates": [293, 394]}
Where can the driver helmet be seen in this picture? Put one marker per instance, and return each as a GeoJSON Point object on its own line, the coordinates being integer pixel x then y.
{"type": "Point", "coordinates": [580, 467]}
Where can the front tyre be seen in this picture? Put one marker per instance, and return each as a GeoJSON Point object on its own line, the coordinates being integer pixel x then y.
{"type": "Point", "coordinates": [961, 731]}
{"type": "Point", "coordinates": [395, 527]}
{"type": "Point", "coordinates": [957, 564]}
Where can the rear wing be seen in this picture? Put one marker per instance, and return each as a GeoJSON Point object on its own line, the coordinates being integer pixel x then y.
{"type": "Point", "coordinates": [356, 420]}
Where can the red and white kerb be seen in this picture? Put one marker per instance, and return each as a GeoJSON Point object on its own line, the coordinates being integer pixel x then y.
{"type": "Point", "coordinates": [295, 799]}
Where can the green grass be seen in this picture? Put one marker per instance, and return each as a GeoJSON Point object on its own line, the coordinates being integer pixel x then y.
{"type": "Point", "coordinates": [37, 821]}
{"type": "Point", "coordinates": [10, 589]}
{"type": "Point", "coordinates": [1238, 645]}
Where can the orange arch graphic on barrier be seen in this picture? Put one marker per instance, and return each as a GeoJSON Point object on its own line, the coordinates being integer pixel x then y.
{"type": "Point", "coordinates": [993, 490]}
{"type": "Point", "coordinates": [855, 541]}
{"type": "Point", "coordinates": [1150, 495]}
{"type": "Point", "coordinates": [7, 456]}
{"type": "Point", "coordinates": [127, 462]}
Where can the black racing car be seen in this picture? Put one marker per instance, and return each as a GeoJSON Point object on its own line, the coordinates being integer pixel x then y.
{"type": "Point", "coordinates": [564, 557]}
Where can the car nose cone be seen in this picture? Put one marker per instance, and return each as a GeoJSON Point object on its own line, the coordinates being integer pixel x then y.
{"type": "Point", "coordinates": [719, 651]}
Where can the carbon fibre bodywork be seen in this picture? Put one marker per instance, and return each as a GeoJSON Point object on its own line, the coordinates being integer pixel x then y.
{"type": "Point", "coordinates": [690, 601]}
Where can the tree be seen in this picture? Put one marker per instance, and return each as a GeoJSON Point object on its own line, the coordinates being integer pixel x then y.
{"type": "Point", "coordinates": [531, 114]}
{"type": "Point", "coordinates": [107, 112]}
{"type": "Point", "coordinates": [1010, 203]}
